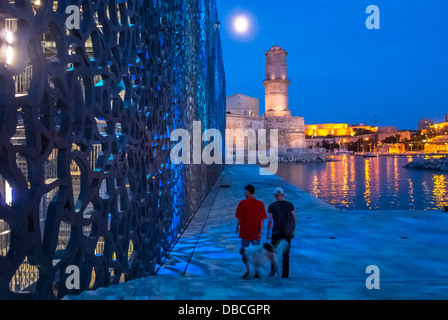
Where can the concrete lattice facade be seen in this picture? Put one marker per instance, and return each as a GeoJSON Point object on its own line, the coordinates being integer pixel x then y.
{"type": "Point", "coordinates": [144, 69]}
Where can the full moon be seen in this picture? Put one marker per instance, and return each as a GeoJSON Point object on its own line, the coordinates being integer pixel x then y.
{"type": "Point", "coordinates": [241, 24]}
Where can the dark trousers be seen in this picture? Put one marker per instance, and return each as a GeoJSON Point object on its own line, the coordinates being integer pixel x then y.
{"type": "Point", "coordinates": [285, 265]}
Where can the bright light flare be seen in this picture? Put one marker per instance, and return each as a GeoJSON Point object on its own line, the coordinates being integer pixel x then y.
{"type": "Point", "coordinates": [9, 55]}
{"type": "Point", "coordinates": [241, 24]}
{"type": "Point", "coordinates": [8, 194]}
{"type": "Point", "coordinates": [9, 37]}
{"type": "Point", "coordinates": [7, 51]}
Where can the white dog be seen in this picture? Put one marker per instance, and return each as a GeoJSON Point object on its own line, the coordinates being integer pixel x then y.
{"type": "Point", "coordinates": [266, 252]}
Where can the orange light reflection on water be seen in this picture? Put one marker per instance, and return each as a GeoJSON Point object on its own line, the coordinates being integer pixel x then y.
{"type": "Point", "coordinates": [371, 183]}
{"type": "Point", "coordinates": [367, 191]}
{"type": "Point", "coordinates": [440, 190]}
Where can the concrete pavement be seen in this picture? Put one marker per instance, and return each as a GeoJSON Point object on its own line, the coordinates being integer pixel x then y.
{"type": "Point", "coordinates": [328, 257]}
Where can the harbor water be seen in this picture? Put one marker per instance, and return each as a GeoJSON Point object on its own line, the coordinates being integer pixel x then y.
{"type": "Point", "coordinates": [370, 183]}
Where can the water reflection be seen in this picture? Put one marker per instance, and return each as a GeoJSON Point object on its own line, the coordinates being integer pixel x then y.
{"type": "Point", "coordinates": [370, 183]}
{"type": "Point", "coordinates": [345, 183]}
{"type": "Point", "coordinates": [439, 190]}
{"type": "Point", "coordinates": [411, 194]}
{"type": "Point", "coordinates": [315, 187]}
{"type": "Point", "coordinates": [367, 192]}
{"type": "Point", "coordinates": [396, 180]}
{"type": "Point", "coordinates": [333, 191]}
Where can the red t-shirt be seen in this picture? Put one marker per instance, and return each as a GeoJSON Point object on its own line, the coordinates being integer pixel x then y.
{"type": "Point", "coordinates": [250, 213]}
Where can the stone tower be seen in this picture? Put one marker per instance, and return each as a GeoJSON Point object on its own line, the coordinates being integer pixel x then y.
{"type": "Point", "coordinates": [290, 129]}
{"type": "Point", "coordinates": [276, 83]}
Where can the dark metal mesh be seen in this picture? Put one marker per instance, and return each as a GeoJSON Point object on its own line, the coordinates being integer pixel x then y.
{"type": "Point", "coordinates": [85, 122]}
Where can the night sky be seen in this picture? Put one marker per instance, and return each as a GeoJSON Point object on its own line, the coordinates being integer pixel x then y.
{"type": "Point", "coordinates": [340, 71]}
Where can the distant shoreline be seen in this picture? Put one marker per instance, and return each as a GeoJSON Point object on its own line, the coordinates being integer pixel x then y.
{"type": "Point", "coordinates": [390, 154]}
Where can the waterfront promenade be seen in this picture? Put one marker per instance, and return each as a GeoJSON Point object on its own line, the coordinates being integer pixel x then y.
{"type": "Point", "coordinates": [328, 258]}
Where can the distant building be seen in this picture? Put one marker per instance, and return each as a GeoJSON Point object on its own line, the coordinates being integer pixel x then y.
{"type": "Point", "coordinates": [435, 135]}
{"type": "Point", "coordinates": [242, 110]}
{"type": "Point", "coordinates": [358, 137]}
{"type": "Point", "coordinates": [425, 123]}
{"type": "Point", "coordinates": [242, 105]}
{"type": "Point", "coordinates": [392, 148]}
{"type": "Point", "coordinates": [325, 129]}
{"type": "Point", "coordinates": [436, 129]}
{"type": "Point", "coordinates": [341, 134]}
{"type": "Point", "coordinates": [338, 130]}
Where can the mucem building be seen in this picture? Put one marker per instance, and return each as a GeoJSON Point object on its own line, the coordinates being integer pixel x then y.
{"type": "Point", "coordinates": [89, 94]}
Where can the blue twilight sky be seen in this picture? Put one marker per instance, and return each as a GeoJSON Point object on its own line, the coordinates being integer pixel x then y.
{"type": "Point", "coordinates": [340, 71]}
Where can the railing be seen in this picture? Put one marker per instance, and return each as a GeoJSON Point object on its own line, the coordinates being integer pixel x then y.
{"type": "Point", "coordinates": [23, 80]}
{"type": "Point", "coordinates": [25, 276]}
{"type": "Point", "coordinates": [5, 234]}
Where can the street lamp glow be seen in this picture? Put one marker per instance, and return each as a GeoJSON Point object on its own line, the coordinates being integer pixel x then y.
{"type": "Point", "coordinates": [241, 24]}
{"type": "Point", "coordinates": [9, 37]}
{"type": "Point", "coordinates": [9, 55]}
{"type": "Point", "coordinates": [7, 50]}
{"type": "Point", "coordinates": [8, 194]}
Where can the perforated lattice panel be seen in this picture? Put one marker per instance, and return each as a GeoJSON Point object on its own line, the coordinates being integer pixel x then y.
{"type": "Point", "coordinates": [85, 122]}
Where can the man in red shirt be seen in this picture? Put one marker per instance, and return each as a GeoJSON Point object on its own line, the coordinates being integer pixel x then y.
{"type": "Point", "coordinates": [250, 214]}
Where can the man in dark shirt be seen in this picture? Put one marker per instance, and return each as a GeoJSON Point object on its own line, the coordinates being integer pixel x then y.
{"type": "Point", "coordinates": [282, 213]}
